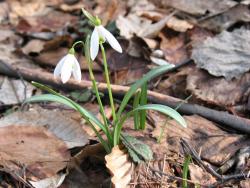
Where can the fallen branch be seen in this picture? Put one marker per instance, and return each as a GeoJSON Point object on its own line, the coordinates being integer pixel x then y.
{"type": "Point", "coordinates": [223, 118]}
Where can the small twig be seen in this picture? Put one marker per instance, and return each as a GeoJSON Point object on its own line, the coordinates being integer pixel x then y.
{"type": "Point", "coordinates": [222, 178]}
{"type": "Point", "coordinates": [195, 155]}
{"type": "Point", "coordinates": [172, 177]}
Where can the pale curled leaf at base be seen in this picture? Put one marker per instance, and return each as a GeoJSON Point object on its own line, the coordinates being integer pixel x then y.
{"type": "Point", "coordinates": [54, 181]}
{"type": "Point", "coordinates": [120, 167]}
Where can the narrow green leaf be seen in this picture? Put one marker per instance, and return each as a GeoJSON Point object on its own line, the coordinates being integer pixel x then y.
{"type": "Point", "coordinates": [143, 101]}
{"type": "Point", "coordinates": [136, 114]}
{"type": "Point", "coordinates": [57, 97]}
{"type": "Point", "coordinates": [149, 76]}
{"type": "Point", "coordinates": [54, 98]}
{"type": "Point", "coordinates": [185, 171]}
{"type": "Point", "coordinates": [89, 16]}
{"type": "Point", "coordinates": [44, 87]}
{"type": "Point", "coordinates": [158, 107]}
{"type": "Point", "coordinates": [49, 97]}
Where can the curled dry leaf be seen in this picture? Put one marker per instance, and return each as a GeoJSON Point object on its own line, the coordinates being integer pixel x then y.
{"type": "Point", "coordinates": [51, 182]}
{"type": "Point", "coordinates": [120, 166]}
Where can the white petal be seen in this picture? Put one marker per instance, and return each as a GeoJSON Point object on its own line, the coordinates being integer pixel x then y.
{"type": "Point", "coordinates": [77, 71]}
{"type": "Point", "coordinates": [58, 68]}
{"type": "Point", "coordinates": [94, 44]}
{"type": "Point", "coordinates": [67, 68]}
{"type": "Point", "coordinates": [110, 38]}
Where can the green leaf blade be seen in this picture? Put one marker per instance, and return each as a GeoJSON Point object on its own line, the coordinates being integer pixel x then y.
{"type": "Point", "coordinates": [136, 114]}
{"type": "Point", "coordinates": [158, 107]}
{"type": "Point", "coordinates": [63, 100]}
{"type": "Point", "coordinates": [165, 110]}
{"type": "Point", "coordinates": [143, 101]}
{"type": "Point", "coordinates": [149, 76]}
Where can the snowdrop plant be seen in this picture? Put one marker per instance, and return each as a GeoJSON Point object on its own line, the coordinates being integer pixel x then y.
{"type": "Point", "coordinates": [113, 130]}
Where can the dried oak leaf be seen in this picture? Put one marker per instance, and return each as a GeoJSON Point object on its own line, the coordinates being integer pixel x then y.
{"type": "Point", "coordinates": [32, 152]}
{"type": "Point", "coordinates": [227, 54]}
{"type": "Point", "coordinates": [218, 91]}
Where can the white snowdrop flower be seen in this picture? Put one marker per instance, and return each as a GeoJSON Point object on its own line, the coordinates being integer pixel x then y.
{"type": "Point", "coordinates": [68, 65]}
{"type": "Point", "coordinates": [100, 33]}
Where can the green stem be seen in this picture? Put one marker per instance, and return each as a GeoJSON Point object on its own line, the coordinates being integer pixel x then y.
{"type": "Point", "coordinates": [92, 77]}
{"type": "Point", "coordinates": [78, 42]}
{"type": "Point", "coordinates": [106, 72]}
{"type": "Point", "coordinates": [99, 102]}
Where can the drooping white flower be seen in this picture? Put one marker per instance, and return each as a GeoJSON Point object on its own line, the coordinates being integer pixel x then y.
{"type": "Point", "coordinates": [67, 66]}
{"type": "Point", "coordinates": [101, 33]}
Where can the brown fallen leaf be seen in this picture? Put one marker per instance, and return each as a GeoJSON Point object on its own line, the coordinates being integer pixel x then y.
{"type": "Point", "coordinates": [52, 22]}
{"type": "Point", "coordinates": [33, 46]}
{"type": "Point", "coordinates": [14, 91]}
{"type": "Point", "coordinates": [199, 7]}
{"type": "Point", "coordinates": [218, 23]}
{"type": "Point", "coordinates": [213, 144]}
{"type": "Point", "coordinates": [175, 83]}
{"type": "Point", "coordinates": [109, 10]}
{"type": "Point", "coordinates": [179, 25]}
{"type": "Point", "coordinates": [4, 9]}
{"type": "Point", "coordinates": [222, 93]}
{"type": "Point", "coordinates": [32, 152]}
{"type": "Point", "coordinates": [130, 68]}
{"type": "Point", "coordinates": [57, 122]}
{"type": "Point", "coordinates": [198, 175]}
{"type": "Point", "coordinates": [24, 9]}
{"type": "Point", "coordinates": [120, 166]}
{"type": "Point", "coordinates": [173, 22]}
{"type": "Point", "coordinates": [174, 47]}
{"type": "Point", "coordinates": [132, 24]}
{"type": "Point", "coordinates": [245, 183]}
{"type": "Point", "coordinates": [226, 54]}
